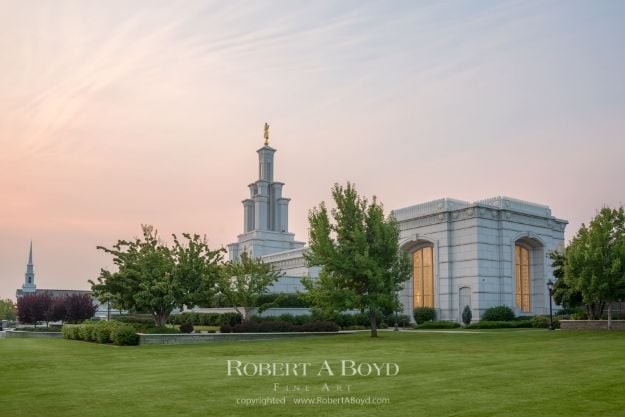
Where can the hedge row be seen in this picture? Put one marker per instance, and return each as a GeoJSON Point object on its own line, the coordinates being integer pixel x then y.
{"type": "Point", "coordinates": [207, 319]}
{"type": "Point", "coordinates": [516, 324]}
{"type": "Point", "coordinates": [271, 326]}
{"type": "Point", "coordinates": [438, 325]}
{"type": "Point", "coordinates": [102, 332]}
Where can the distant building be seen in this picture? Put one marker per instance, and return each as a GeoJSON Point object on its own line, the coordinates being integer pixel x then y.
{"type": "Point", "coordinates": [30, 287]}
{"type": "Point", "coordinates": [479, 254]}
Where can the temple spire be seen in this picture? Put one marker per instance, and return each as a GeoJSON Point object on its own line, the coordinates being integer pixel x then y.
{"type": "Point", "coordinates": [266, 134]}
{"type": "Point", "coordinates": [30, 254]}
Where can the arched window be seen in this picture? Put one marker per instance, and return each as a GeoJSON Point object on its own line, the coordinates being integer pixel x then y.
{"type": "Point", "coordinates": [423, 277]}
{"type": "Point", "coordinates": [522, 255]}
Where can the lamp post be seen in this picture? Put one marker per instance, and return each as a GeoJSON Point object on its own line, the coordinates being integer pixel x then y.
{"type": "Point", "coordinates": [550, 288]}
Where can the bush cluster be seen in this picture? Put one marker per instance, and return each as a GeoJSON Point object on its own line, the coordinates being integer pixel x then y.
{"type": "Point", "coordinates": [186, 328]}
{"type": "Point", "coordinates": [111, 331]}
{"type": "Point", "coordinates": [512, 324]}
{"type": "Point", "coordinates": [438, 325]}
{"type": "Point", "coordinates": [207, 319]}
{"type": "Point", "coordinates": [279, 326]}
{"type": "Point", "coordinates": [403, 320]}
{"type": "Point", "coordinates": [345, 320]}
{"type": "Point", "coordinates": [290, 318]}
{"type": "Point", "coordinates": [161, 330]}
{"type": "Point", "coordinates": [542, 322]}
{"type": "Point", "coordinates": [499, 313]}
{"type": "Point", "coordinates": [423, 314]}
{"type": "Point", "coordinates": [50, 328]}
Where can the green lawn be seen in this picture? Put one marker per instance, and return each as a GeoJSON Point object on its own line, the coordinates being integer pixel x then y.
{"type": "Point", "coordinates": [486, 373]}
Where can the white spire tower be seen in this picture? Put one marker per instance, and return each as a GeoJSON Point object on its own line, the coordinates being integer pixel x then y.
{"type": "Point", "coordinates": [29, 277]}
{"type": "Point", "coordinates": [265, 212]}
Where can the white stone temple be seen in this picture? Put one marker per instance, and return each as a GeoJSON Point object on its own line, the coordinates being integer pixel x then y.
{"type": "Point", "coordinates": [482, 254]}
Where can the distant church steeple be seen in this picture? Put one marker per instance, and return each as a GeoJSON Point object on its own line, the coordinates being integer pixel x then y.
{"type": "Point", "coordinates": [29, 276]}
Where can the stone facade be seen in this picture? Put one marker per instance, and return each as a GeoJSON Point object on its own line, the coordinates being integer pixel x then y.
{"type": "Point", "coordinates": [474, 252]}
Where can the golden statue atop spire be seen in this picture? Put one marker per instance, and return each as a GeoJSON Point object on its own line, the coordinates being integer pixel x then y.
{"type": "Point", "coordinates": [266, 134]}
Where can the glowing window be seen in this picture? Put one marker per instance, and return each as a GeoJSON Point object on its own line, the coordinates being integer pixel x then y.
{"type": "Point", "coordinates": [423, 276]}
{"type": "Point", "coordinates": [522, 256]}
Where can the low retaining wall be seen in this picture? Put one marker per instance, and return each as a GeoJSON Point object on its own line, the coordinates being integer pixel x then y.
{"type": "Point", "coordinates": [591, 324]}
{"type": "Point", "coordinates": [38, 335]}
{"type": "Point", "coordinates": [194, 338]}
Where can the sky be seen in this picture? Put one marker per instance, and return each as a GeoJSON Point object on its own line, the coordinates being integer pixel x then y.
{"type": "Point", "coordinates": [115, 114]}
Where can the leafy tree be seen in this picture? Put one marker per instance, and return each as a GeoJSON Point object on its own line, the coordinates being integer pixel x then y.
{"type": "Point", "coordinates": [595, 261]}
{"type": "Point", "coordinates": [32, 308]}
{"type": "Point", "coordinates": [361, 264]}
{"type": "Point", "coordinates": [58, 310]}
{"type": "Point", "coordinates": [563, 293]}
{"type": "Point", "coordinates": [7, 310]}
{"type": "Point", "coordinates": [245, 281]}
{"type": "Point", "coordinates": [156, 278]}
{"type": "Point", "coordinates": [76, 308]}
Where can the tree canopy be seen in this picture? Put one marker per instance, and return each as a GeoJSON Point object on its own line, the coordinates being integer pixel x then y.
{"type": "Point", "coordinates": [7, 310]}
{"type": "Point", "coordinates": [156, 278]}
{"type": "Point", "coordinates": [595, 261]}
{"type": "Point", "coordinates": [358, 252]}
{"type": "Point", "coordinates": [244, 281]}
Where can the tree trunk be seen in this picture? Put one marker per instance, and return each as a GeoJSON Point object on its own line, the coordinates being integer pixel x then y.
{"type": "Point", "coordinates": [242, 313]}
{"type": "Point", "coordinates": [609, 316]}
{"type": "Point", "coordinates": [160, 318]}
{"type": "Point", "coordinates": [374, 325]}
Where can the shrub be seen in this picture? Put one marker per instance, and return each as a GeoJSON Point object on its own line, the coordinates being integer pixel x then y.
{"type": "Point", "coordinates": [438, 325]}
{"type": "Point", "coordinates": [276, 326]}
{"type": "Point", "coordinates": [69, 331]}
{"type": "Point", "coordinates": [517, 324]}
{"type": "Point", "coordinates": [423, 314]}
{"type": "Point", "coordinates": [582, 315]}
{"type": "Point", "coordinates": [40, 329]}
{"type": "Point", "coordinates": [467, 315]}
{"type": "Point", "coordinates": [319, 326]}
{"type": "Point", "coordinates": [499, 313]}
{"type": "Point", "coordinates": [403, 320]}
{"type": "Point", "coordinates": [542, 322]}
{"type": "Point", "coordinates": [229, 318]}
{"type": "Point", "coordinates": [249, 326]}
{"type": "Point", "coordinates": [145, 319]}
{"type": "Point", "coordinates": [103, 331]}
{"type": "Point", "coordinates": [162, 330]}
{"type": "Point", "coordinates": [568, 311]}
{"type": "Point", "coordinates": [87, 332]}
{"type": "Point", "coordinates": [225, 328]}
{"type": "Point", "coordinates": [186, 328]}
{"type": "Point", "coordinates": [252, 326]}
{"type": "Point", "coordinates": [125, 335]}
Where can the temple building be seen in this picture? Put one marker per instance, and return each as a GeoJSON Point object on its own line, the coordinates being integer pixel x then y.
{"type": "Point", "coordinates": [479, 254]}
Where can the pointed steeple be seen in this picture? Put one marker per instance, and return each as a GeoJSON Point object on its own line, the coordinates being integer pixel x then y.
{"type": "Point", "coordinates": [29, 276]}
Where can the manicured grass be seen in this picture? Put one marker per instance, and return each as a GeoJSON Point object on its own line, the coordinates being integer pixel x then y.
{"type": "Point", "coordinates": [479, 373]}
